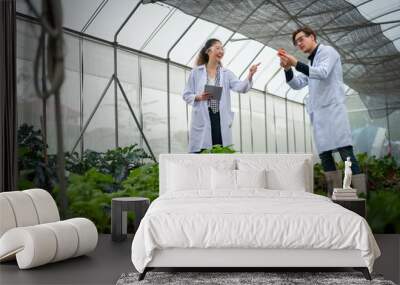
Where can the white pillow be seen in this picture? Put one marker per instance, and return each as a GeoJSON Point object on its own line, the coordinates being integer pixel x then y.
{"type": "Point", "coordinates": [286, 180]}
{"type": "Point", "coordinates": [251, 178]}
{"type": "Point", "coordinates": [183, 177]}
{"type": "Point", "coordinates": [286, 173]}
{"type": "Point", "coordinates": [223, 179]}
{"type": "Point", "coordinates": [194, 171]}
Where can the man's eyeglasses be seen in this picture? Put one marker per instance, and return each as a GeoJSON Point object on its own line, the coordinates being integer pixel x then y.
{"type": "Point", "coordinates": [299, 39]}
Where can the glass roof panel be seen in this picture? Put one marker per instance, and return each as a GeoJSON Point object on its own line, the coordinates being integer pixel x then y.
{"type": "Point", "coordinates": [77, 18]}
{"type": "Point", "coordinates": [155, 27]}
{"type": "Point", "coordinates": [73, 18]}
{"type": "Point", "coordinates": [234, 48]}
{"type": "Point", "coordinates": [379, 11]}
{"type": "Point", "coordinates": [23, 8]}
{"type": "Point", "coordinates": [244, 57]}
{"type": "Point", "coordinates": [169, 31]}
{"type": "Point", "coordinates": [110, 19]}
{"type": "Point", "coordinates": [189, 44]}
{"type": "Point", "coordinates": [269, 64]}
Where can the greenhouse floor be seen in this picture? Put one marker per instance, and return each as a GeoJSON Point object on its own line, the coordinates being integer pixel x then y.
{"type": "Point", "coordinates": [111, 259]}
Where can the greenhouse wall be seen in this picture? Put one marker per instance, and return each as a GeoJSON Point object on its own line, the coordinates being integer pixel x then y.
{"type": "Point", "coordinates": [264, 121]}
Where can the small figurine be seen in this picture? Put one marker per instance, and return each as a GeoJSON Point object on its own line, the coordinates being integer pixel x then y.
{"type": "Point", "coordinates": [347, 174]}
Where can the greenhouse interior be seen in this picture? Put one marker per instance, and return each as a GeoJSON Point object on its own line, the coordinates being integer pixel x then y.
{"type": "Point", "coordinates": [118, 166]}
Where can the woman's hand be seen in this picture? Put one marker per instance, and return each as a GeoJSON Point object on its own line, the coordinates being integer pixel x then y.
{"type": "Point", "coordinates": [203, 97]}
{"type": "Point", "coordinates": [252, 70]}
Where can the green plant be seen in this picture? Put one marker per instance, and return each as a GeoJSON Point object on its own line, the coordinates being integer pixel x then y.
{"type": "Point", "coordinates": [116, 162]}
{"type": "Point", "coordinates": [219, 149]}
{"type": "Point", "coordinates": [79, 165]}
{"type": "Point", "coordinates": [319, 180]}
{"type": "Point", "coordinates": [88, 194]}
{"type": "Point", "coordinates": [383, 198]}
{"type": "Point", "coordinates": [382, 173]}
{"type": "Point", "coordinates": [383, 209]}
{"type": "Point", "coordinates": [95, 178]}
{"type": "Point", "coordinates": [87, 197]}
{"type": "Point", "coordinates": [35, 167]}
{"type": "Point", "coordinates": [143, 182]}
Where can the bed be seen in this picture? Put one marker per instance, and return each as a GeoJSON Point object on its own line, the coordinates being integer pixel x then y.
{"type": "Point", "coordinates": [247, 211]}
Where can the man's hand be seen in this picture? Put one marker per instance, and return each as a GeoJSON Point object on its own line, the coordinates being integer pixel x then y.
{"type": "Point", "coordinates": [285, 64]}
{"type": "Point", "coordinates": [290, 59]}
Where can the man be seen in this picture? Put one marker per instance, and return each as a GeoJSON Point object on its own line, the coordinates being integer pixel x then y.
{"type": "Point", "coordinates": [325, 104]}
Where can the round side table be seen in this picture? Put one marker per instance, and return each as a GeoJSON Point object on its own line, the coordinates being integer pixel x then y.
{"type": "Point", "coordinates": [119, 208]}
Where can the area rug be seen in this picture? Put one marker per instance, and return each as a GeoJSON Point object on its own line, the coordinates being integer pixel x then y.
{"type": "Point", "coordinates": [243, 278]}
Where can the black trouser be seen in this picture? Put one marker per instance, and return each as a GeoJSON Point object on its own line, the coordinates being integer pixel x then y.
{"type": "Point", "coordinates": [328, 163]}
{"type": "Point", "coordinates": [216, 136]}
{"type": "Point", "coordinates": [215, 121]}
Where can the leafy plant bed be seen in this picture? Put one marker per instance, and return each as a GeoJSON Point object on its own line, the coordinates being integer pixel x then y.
{"type": "Point", "coordinates": [96, 177]}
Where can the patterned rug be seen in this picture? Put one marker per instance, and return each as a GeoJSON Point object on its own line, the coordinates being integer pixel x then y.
{"type": "Point", "coordinates": [243, 278]}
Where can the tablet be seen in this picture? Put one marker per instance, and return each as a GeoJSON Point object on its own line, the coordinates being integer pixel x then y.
{"type": "Point", "coordinates": [215, 91]}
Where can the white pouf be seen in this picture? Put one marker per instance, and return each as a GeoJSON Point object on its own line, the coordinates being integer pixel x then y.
{"type": "Point", "coordinates": [31, 230]}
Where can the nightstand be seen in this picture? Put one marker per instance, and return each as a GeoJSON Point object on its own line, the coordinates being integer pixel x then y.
{"type": "Point", "coordinates": [119, 208]}
{"type": "Point", "coordinates": [357, 205]}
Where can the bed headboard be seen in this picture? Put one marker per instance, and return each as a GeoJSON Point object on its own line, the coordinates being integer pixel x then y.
{"type": "Point", "coordinates": [165, 159]}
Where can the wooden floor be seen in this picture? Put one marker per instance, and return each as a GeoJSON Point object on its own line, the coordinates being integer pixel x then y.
{"type": "Point", "coordinates": [111, 259]}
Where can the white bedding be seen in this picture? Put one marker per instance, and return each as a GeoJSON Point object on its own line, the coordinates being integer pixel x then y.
{"type": "Point", "coordinates": [251, 218]}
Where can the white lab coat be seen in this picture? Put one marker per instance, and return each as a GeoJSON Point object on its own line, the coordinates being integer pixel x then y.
{"type": "Point", "coordinates": [326, 101]}
{"type": "Point", "coordinates": [200, 129]}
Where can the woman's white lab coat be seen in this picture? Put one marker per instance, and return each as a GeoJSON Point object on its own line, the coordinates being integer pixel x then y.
{"type": "Point", "coordinates": [326, 101]}
{"type": "Point", "coordinates": [200, 129]}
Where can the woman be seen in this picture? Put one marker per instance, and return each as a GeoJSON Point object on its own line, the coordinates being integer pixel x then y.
{"type": "Point", "coordinates": [212, 119]}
